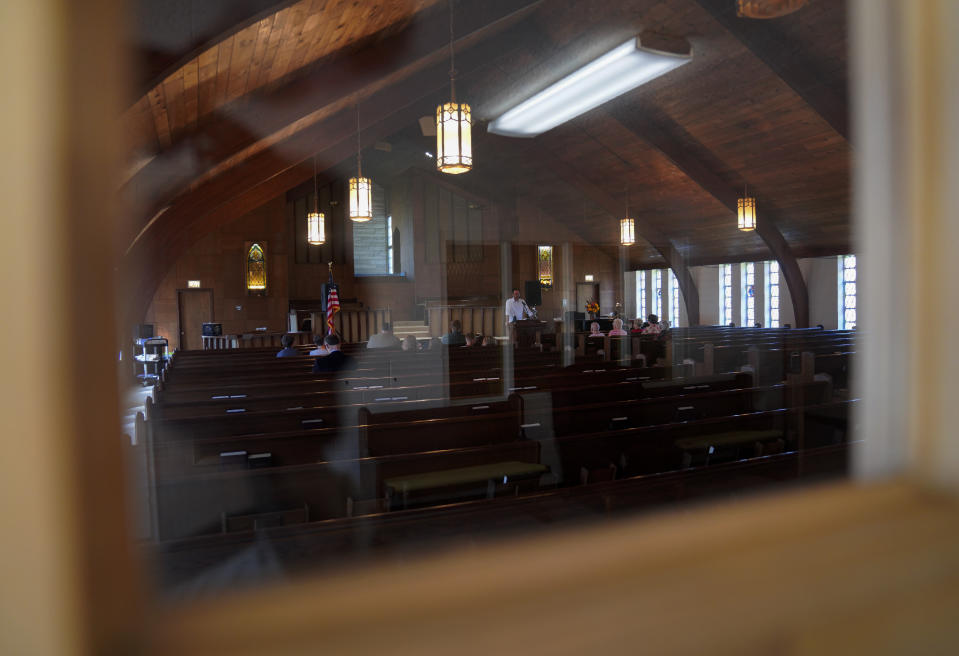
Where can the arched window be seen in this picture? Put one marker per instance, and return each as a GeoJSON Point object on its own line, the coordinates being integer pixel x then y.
{"type": "Point", "coordinates": [256, 268]}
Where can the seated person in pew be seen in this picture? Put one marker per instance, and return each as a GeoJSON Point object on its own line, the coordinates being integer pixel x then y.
{"type": "Point", "coordinates": [654, 327]}
{"type": "Point", "coordinates": [288, 351]}
{"type": "Point", "coordinates": [409, 344]}
{"type": "Point", "coordinates": [617, 328]}
{"type": "Point", "coordinates": [383, 339]}
{"type": "Point", "coordinates": [637, 327]}
{"type": "Point", "coordinates": [320, 350]}
{"type": "Point", "coordinates": [594, 330]}
{"type": "Point", "coordinates": [455, 336]}
{"type": "Point", "coordinates": [335, 360]}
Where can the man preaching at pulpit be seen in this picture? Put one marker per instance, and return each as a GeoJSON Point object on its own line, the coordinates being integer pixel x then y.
{"type": "Point", "coordinates": [517, 310]}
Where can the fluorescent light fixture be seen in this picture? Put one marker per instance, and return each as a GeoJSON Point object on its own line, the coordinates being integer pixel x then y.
{"type": "Point", "coordinates": [622, 69]}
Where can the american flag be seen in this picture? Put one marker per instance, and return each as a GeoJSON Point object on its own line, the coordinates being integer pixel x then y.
{"type": "Point", "coordinates": [332, 304]}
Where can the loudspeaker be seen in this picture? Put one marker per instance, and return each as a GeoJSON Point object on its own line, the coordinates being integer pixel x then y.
{"type": "Point", "coordinates": [143, 331]}
{"type": "Point", "coordinates": [533, 296]}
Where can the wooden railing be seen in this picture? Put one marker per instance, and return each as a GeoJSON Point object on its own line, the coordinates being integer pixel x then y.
{"type": "Point", "coordinates": [354, 326]}
{"type": "Point", "coordinates": [252, 340]}
{"type": "Point", "coordinates": [486, 320]}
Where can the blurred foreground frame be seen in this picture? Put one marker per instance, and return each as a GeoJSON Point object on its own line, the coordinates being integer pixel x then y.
{"type": "Point", "coordinates": [865, 566]}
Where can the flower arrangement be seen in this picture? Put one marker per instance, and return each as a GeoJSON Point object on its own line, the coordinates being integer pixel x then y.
{"type": "Point", "coordinates": [592, 306]}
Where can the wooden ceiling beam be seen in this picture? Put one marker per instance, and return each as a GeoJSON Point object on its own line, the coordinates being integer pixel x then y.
{"type": "Point", "coordinates": [543, 156]}
{"type": "Point", "coordinates": [243, 126]}
{"type": "Point", "coordinates": [282, 166]}
{"type": "Point", "coordinates": [777, 50]}
{"type": "Point", "coordinates": [168, 35]}
{"type": "Point", "coordinates": [688, 155]}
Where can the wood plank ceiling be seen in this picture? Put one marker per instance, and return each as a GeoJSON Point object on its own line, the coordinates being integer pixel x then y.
{"type": "Point", "coordinates": [256, 56]}
{"type": "Point", "coordinates": [239, 120]}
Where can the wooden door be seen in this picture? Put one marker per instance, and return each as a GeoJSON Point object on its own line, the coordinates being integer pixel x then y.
{"type": "Point", "coordinates": [195, 306]}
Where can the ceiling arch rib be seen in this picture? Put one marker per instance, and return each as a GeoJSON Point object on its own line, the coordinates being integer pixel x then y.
{"type": "Point", "coordinates": [251, 125]}
{"type": "Point", "coordinates": [257, 54]}
{"type": "Point", "coordinates": [681, 148]}
{"type": "Point", "coordinates": [281, 167]}
{"type": "Point", "coordinates": [646, 230]}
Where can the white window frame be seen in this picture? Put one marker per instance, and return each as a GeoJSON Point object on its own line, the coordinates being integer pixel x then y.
{"type": "Point", "coordinates": [389, 244]}
{"type": "Point", "coordinates": [773, 303]}
{"type": "Point", "coordinates": [673, 299]}
{"type": "Point", "coordinates": [749, 302]}
{"type": "Point", "coordinates": [657, 293]}
{"type": "Point", "coordinates": [725, 294]}
{"type": "Point", "coordinates": [847, 297]}
{"type": "Point", "coordinates": [641, 294]}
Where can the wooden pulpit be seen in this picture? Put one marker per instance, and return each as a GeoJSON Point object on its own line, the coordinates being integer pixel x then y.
{"type": "Point", "coordinates": [524, 332]}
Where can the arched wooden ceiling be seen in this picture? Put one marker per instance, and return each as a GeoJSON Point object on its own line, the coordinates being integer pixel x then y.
{"type": "Point", "coordinates": [763, 103]}
{"type": "Point", "coordinates": [258, 55]}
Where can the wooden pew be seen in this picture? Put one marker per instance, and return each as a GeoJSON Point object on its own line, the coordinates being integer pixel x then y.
{"type": "Point", "coordinates": [223, 425]}
{"type": "Point", "coordinates": [279, 449]}
{"type": "Point", "coordinates": [194, 505]}
{"type": "Point", "coordinates": [340, 542]}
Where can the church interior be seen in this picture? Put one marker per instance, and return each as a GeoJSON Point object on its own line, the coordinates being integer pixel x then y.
{"type": "Point", "coordinates": [545, 324]}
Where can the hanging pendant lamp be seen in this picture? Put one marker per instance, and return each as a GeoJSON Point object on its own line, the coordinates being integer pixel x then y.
{"type": "Point", "coordinates": [746, 212]}
{"type": "Point", "coordinates": [361, 189]}
{"type": "Point", "coordinates": [454, 150]}
{"type": "Point", "coordinates": [765, 9]}
{"type": "Point", "coordinates": [627, 227]}
{"type": "Point", "coordinates": [315, 220]}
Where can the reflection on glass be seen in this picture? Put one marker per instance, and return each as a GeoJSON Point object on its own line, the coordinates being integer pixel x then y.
{"type": "Point", "coordinates": [462, 393]}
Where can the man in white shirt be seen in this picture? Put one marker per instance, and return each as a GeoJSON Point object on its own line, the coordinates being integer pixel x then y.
{"type": "Point", "coordinates": [516, 308]}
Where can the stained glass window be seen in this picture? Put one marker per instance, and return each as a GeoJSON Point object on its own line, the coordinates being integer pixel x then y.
{"type": "Point", "coordinates": [673, 299]}
{"type": "Point", "coordinates": [545, 258]}
{"type": "Point", "coordinates": [641, 294]}
{"type": "Point", "coordinates": [772, 294]}
{"type": "Point", "coordinates": [749, 294]}
{"type": "Point", "coordinates": [725, 294]}
{"type": "Point", "coordinates": [847, 292]}
{"type": "Point", "coordinates": [256, 268]}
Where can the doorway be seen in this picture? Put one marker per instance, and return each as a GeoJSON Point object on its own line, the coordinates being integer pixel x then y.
{"type": "Point", "coordinates": [586, 291]}
{"type": "Point", "coordinates": [194, 308]}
